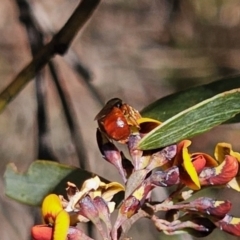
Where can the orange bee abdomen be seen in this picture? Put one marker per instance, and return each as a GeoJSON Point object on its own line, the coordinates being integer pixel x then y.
{"type": "Point", "coordinates": [117, 120]}
{"type": "Point", "coordinates": [115, 125]}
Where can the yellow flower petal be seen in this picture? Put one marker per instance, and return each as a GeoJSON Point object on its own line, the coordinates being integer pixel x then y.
{"type": "Point", "coordinates": [235, 184]}
{"type": "Point", "coordinates": [188, 166]}
{"type": "Point", "coordinates": [223, 149]}
{"type": "Point", "coordinates": [51, 207]}
{"type": "Point", "coordinates": [183, 158]}
{"type": "Point", "coordinates": [178, 160]}
{"type": "Point", "coordinates": [91, 184]}
{"type": "Point", "coordinates": [96, 193]}
{"type": "Point", "coordinates": [54, 214]}
{"type": "Point", "coordinates": [139, 193]}
{"type": "Point", "coordinates": [114, 185]}
{"type": "Point", "coordinates": [111, 189]}
{"type": "Point", "coordinates": [111, 206]}
{"type": "Point", "coordinates": [61, 226]}
{"type": "Point", "coordinates": [144, 120]}
{"type": "Point", "coordinates": [102, 184]}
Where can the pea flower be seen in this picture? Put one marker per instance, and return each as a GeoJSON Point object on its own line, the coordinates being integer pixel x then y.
{"type": "Point", "coordinates": [57, 222]}
{"type": "Point", "coordinates": [223, 149]}
{"type": "Point", "coordinates": [92, 202]}
{"type": "Point", "coordinates": [171, 166]}
{"type": "Point", "coordinates": [200, 169]}
{"type": "Point", "coordinates": [93, 187]}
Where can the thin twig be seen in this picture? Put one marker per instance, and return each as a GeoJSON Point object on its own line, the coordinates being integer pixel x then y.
{"type": "Point", "coordinates": [70, 116]}
{"type": "Point", "coordinates": [35, 38]}
{"type": "Point", "coordinates": [58, 45]}
{"type": "Point", "coordinates": [73, 60]}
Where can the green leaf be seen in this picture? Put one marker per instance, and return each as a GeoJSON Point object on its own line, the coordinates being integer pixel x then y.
{"type": "Point", "coordinates": [42, 178]}
{"type": "Point", "coordinates": [171, 105]}
{"type": "Point", "coordinates": [193, 121]}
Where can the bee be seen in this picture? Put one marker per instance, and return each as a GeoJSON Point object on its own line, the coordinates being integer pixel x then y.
{"type": "Point", "coordinates": [117, 120]}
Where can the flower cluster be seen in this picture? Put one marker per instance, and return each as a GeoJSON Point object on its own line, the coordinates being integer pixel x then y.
{"type": "Point", "coordinates": [172, 166]}
{"type": "Point", "coordinates": [91, 203]}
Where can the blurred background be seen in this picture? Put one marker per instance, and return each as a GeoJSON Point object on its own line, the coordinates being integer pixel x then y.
{"type": "Point", "coordinates": [137, 50]}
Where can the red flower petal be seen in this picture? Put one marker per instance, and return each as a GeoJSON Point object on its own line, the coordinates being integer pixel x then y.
{"type": "Point", "coordinates": [230, 224]}
{"type": "Point", "coordinates": [212, 207]}
{"type": "Point", "coordinates": [42, 232]}
{"type": "Point", "coordinates": [199, 163]}
{"type": "Point", "coordinates": [221, 174]}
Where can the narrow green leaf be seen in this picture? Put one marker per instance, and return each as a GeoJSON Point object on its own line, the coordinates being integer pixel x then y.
{"type": "Point", "coordinates": [193, 121]}
{"type": "Point", "coordinates": [42, 178]}
{"type": "Point", "coordinates": [171, 105]}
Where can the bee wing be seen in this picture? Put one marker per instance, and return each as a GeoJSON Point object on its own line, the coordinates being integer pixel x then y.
{"type": "Point", "coordinates": [114, 102]}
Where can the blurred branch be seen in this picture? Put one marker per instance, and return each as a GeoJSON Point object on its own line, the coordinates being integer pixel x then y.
{"type": "Point", "coordinates": [58, 45]}
{"type": "Point", "coordinates": [71, 56]}
{"type": "Point", "coordinates": [69, 114]}
{"type": "Point", "coordinates": [73, 60]}
{"type": "Point", "coordinates": [35, 38]}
